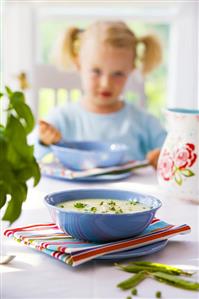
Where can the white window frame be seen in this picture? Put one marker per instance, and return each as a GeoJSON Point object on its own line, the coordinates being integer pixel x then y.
{"type": "Point", "coordinates": [183, 75]}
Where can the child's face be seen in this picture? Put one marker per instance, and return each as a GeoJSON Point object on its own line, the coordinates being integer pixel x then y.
{"type": "Point", "coordinates": [104, 70]}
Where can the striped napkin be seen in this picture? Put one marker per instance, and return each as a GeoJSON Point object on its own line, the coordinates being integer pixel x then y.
{"type": "Point", "coordinates": [49, 239]}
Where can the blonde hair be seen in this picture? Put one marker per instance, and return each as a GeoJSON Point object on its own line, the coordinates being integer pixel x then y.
{"type": "Point", "coordinates": [114, 33]}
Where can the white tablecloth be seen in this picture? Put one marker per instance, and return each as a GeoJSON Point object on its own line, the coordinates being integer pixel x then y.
{"type": "Point", "coordinates": [32, 274]}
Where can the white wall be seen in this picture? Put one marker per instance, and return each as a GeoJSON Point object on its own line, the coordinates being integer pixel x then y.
{"type": "Point", "coordinates": [17, 43]}
{"type": "Point", "coordinates": [183, 58]}
{"type": "Point", "coordinates": [198, 53]}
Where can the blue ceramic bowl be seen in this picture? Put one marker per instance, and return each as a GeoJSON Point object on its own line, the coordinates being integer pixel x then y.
{"type": "Point", "coordinates": [80, 155]}
{"type": "Point", "coordinates": [100, 227]}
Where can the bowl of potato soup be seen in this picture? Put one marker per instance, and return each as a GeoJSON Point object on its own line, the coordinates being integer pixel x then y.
{"type": "Point", "coordinates": [101, 215]}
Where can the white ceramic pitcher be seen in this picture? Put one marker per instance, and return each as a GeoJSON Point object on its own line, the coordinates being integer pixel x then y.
{"type": "Point", "coordinates": [178, 165]}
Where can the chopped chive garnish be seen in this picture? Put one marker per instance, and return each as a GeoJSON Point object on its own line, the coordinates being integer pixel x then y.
{"type": "Point", "coordinates": [93, 209]}
{"type": "Point", "coordinates": [79, 205]}
{"type": "Point", "coordinates": [112, 209]}
{"type": "Point", "coordinates": [133, 201]}
{"type": "Point", "coordinates": [112, 203]}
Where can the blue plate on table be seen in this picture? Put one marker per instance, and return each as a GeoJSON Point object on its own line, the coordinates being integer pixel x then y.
{"type": "Point", "coordinates": [97, 178]}
{"type": "Point", "coordinates": [105, 177]}
{"type": "Point", "coordinates": [144, 250]}
{"type": "Point", "coordinates": [52, 168]}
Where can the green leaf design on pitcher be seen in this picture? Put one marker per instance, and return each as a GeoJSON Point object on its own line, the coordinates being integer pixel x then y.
{"type": "Point", "coordinates": [178, 177]}
{"type": "Point", "coordinates": [187, 172]}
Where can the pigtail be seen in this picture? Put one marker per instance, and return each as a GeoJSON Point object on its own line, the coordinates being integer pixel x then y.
{"type": "Point", "coordinates": [151, 55]}
{"type": "Point", "coordinates": [66, 50]}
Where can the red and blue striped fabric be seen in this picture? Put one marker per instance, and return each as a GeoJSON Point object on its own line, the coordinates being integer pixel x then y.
{"type": "Point", "coordinates": [49, 239]}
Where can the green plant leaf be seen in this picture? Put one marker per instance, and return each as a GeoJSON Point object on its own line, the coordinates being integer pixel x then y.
{"type": "Point", "coordinates": [5, 187]}
{"type": "Point", "coordinates": [18, 196]}
{"type": "Point", "coordinates": [21, 192]}
{"type": "Point", "coordinates": [1, 95]}
{"type": "Point", "coordinates": [15, 158]}
{"type": "Point", "coordinates": [8, 91]}
{"type": "Point", "coordinates": [23, 111]}
{"type": "Point", "coordinates": [187, 172]}
{"type": "Point", "coordinates": [3, 145]}
{"type": "Point", "coordinates": [31, 171]}
{"type": "Point", "coordinates": [36, 172]}
{"type": "Point", "coordinates": [2, 197]}
{"type": "Point", "coordinates": [7, 176]}
{"type": "Point", "coordinates": [17, 161]}
{"type": "Point", "coordinates": [17, 97]}
{"type": "Point", "coordinates": [25, 173]}
{"type": "Point", "coordinates": [13, 210]}
{"type": "Point", "coordinates": [17, 137]}
{"type": "Point", "coordinates": [178, 178]}
{"type": "Point", "coordinates": [15, 130]}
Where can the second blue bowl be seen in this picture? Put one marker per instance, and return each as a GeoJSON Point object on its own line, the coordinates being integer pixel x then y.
{"type": "Point", "coordinates": [80, 155]}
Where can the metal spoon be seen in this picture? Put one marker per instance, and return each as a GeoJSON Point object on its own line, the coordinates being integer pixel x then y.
{"type": "Point", "coordinates": [5, 259]}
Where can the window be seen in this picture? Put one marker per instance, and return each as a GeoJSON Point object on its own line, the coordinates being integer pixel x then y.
{"type": "Point", "coordinates": [51, 24]}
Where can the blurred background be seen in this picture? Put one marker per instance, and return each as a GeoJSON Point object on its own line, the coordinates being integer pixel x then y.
{"type": "Point", "coordinates": [29, 30]}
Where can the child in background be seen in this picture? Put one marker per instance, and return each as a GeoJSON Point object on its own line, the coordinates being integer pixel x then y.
{"type": "Point", "coordinates": [105, 54]}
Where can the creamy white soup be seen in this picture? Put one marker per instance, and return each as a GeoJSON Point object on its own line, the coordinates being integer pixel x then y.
{"type": "Point", "coordinates": [108, 206]}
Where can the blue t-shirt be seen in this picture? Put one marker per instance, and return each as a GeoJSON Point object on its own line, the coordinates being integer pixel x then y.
{"type": "Point", "coordinates": [131, 125]}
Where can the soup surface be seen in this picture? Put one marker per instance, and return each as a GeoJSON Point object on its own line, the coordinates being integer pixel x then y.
{"type": "Point", "coordinates": [105, 206]}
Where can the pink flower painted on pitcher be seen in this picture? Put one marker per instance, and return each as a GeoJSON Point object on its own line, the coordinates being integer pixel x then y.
{"type": "Point", "coordinates": [185, 156]}
{"type": "Point", "coordinates": [166, 166]}
{"type": "Point", "coordinates": [176, 165]}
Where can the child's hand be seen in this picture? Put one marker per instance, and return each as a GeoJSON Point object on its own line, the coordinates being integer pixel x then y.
{"type": "Point", "coordinates": [153, 156]}
{"type": "Point", "coordinates": [48, 134]}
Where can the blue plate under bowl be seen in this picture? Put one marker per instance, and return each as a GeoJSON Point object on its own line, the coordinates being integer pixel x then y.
{"type": "Point", "coordinates": [100, 227]}
{"type": "Point", "coordinates": [137, 252]}
{"type": "Point", "coordinates": [81, 155]}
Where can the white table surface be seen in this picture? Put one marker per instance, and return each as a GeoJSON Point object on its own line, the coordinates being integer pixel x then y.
{"type": "Point", "coordinates": [33, 274]}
